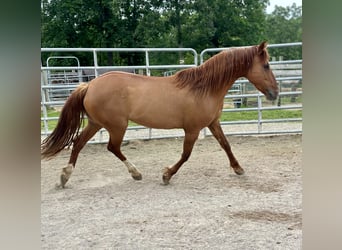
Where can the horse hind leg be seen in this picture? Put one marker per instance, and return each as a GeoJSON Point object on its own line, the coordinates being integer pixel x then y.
{"type": "Point", "coordinates": [114, 146]}
{"type": "Point", "coordinates": [88, 132]}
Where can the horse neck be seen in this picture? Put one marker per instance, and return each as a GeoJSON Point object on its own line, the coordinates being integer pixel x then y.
{"type": "Point", "coordinates": [216, 75]}
{"type": "Point", "coordinates": [223, 70]}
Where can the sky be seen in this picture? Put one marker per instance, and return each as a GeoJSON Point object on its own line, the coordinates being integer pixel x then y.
{"type": "Point", "coordinates": [283, 3]}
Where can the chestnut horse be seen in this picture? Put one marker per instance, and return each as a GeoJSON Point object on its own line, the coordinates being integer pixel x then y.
{"type": "Point", "coordinates": [191, 99]}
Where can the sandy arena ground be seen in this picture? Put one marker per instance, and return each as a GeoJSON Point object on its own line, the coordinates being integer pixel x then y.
{"type": "Point", "coordinates": [206, 206]}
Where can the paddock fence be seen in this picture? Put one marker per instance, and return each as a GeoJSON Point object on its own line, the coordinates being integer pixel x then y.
{"type": "Point", "coordinates": [245, 111]}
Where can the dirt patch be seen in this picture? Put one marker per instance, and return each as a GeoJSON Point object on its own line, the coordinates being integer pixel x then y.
{"type": "Point", "coordinates": [271, 216]}
{"type": "Point", "coordinates": [206, 206]}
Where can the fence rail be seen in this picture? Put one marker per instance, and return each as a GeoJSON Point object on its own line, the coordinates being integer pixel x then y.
{"type": "Point", "coordinates": [242, 97]}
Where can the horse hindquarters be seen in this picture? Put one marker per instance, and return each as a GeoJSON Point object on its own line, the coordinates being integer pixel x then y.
{"type": "Point", "coordinates": [67, 129]}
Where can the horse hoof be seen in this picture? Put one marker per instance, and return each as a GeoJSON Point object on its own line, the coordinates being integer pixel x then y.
{"type": "Point", "coordinates": [137, 176]}
{"type": "Point", "coordinates": [66, 172]}
{"type": "Point", "coordinates": [166, 180]}
{"type": "Point", "coordinates": [166, 176]}
{"type": "Point", "coordinates": [239, 170]}
{"type": "Point", "coordinates": [64, 180]}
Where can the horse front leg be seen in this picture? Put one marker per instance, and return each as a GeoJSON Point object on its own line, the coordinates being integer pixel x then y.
{"type": "Point", "coordinates": [188, 144]}
{"type": "Point", "coordinates": [217, 131]}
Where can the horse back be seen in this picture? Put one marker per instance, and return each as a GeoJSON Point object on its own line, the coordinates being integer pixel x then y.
{"type": "Point", "coordinates": [156, 102]}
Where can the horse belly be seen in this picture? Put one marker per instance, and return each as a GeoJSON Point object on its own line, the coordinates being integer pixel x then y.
{"type": "Point", "coordinates": [158, 116]}
{"type": "Point", "coordinates": [172, 112]}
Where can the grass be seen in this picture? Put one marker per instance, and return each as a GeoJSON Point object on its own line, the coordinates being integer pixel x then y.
{"type": "Point", "coordinates": [266, 114]}
{"type": "Point", "coordinates": [226, 116]}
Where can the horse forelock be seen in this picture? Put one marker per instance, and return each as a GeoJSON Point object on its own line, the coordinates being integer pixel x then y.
{"type": "Point", "coordinates": [213, 75]}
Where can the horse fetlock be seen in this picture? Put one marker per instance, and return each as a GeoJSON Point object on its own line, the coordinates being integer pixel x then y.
{"type": "Point", "coordinates": [68, 169]}
{"type": "Point", "coordinates": [132, 170]}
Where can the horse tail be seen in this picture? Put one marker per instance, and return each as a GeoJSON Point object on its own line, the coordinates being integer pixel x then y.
{"type": "Point", "coordinates": [68, 126]}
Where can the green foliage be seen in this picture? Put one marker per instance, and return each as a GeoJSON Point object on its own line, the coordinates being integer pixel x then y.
{"type": "Point", "coordinates": [197, 24]}
{"type": "Point", "coordinates": [284, 25]}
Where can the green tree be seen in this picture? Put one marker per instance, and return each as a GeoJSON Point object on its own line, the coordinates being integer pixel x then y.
{"type": "Point", "coordinates": [284, 25]}
{"type": "Point", "coordinates": [199, 27]}
{"type": "Point", "coordinates": [198, 24]}
{"type": "Point", "coordinates": [237, 22]}
{"type": "Point", "coordinates": [80, 23]}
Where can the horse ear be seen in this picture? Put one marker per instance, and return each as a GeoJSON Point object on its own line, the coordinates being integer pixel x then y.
{"type": "Point", "coordinates": [262, 47]}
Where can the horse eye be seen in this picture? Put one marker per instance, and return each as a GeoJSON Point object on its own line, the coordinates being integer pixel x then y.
{"type": "Point", "coordinates": [266, 66]}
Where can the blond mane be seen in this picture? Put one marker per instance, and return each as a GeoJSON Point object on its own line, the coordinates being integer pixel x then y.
{"type": "Point", "coordinates": [219, 70]}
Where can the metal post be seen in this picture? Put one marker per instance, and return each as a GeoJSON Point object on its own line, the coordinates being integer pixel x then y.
{"type": "Point", "coordinates": [95, 63]}
{"type": "Point", "coordinates": [44, 109]}
{"type": "Point", "coordinates": [259, 112]}
{"type": "Point", "coordinates": [150, 133]}
{"type": "Point", "coordinates": [147, 63]}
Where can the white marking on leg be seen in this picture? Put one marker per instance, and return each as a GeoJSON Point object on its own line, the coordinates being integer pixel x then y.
{"type": "Point", "coordinates": [132, 169]}
{"type": "Point", "coordinates": [67, 171]}
{"type": "Point", "coordinates": [130, 166]}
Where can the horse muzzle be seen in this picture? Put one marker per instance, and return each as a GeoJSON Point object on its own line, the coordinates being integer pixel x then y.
{"type": "Point", "coordinates": [271, 94]}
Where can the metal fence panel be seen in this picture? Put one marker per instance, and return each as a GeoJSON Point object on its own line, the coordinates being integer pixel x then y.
{"type": "Point", "coordinates": [242, 98]}
{"type": "Point", "coordinates": [288, 74]}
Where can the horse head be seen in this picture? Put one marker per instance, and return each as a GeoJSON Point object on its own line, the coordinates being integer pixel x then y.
{"type": "Point", "coordinates": [261, 75]}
